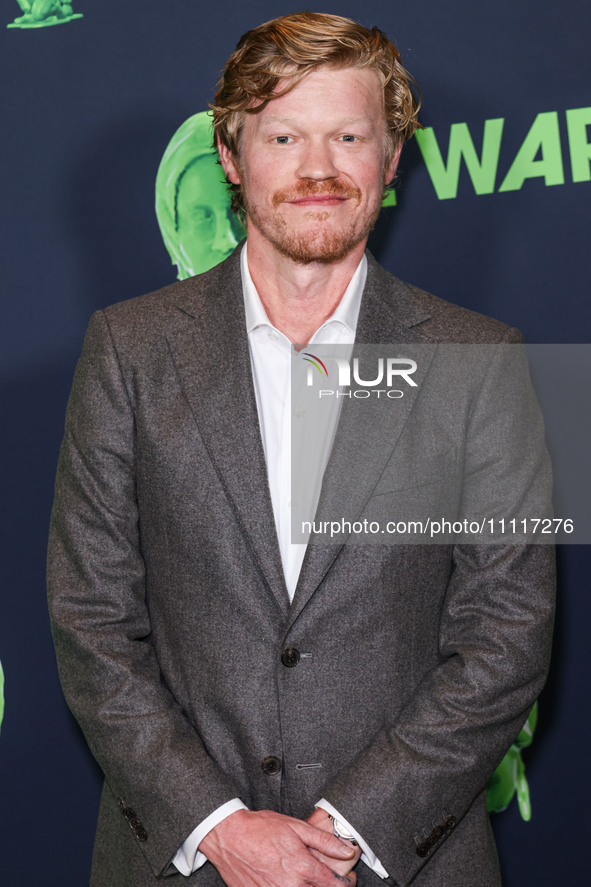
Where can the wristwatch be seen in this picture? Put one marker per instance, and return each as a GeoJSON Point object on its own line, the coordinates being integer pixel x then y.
{"type": "Point", "coordinates": [341, 831]}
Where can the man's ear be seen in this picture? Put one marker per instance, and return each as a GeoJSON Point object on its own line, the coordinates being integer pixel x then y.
{"type": "Point", "coordinates": [390, 170]}
{"type": "Point", "coordinates": [228, 163]}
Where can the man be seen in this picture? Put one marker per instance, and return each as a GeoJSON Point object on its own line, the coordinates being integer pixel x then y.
{"type": "Point", "coordinates": [265, 713]}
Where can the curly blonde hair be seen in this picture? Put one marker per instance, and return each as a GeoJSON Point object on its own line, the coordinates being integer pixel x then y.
{"type": "Point", "coordinates": [272, 59]}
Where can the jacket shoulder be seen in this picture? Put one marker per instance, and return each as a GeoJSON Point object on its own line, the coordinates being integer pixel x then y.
{"type": "Point", "coordinates": [448, 322]}
{"type": "Point", "coordinates": [149, 315]}
{"type": "Point", "coordinates": [433, 318]}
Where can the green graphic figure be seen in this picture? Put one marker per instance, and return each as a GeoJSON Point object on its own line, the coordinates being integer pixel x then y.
{"type": "Point", "coordinates": [192, 200]}
{"type": "Point", "coordinates": [44, 13]}
{"type": "Point", "coordinates": [509, 777]}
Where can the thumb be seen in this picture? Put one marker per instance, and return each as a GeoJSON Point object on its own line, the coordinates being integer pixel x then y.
{"type": "Point", "coordinates": [326, 843]}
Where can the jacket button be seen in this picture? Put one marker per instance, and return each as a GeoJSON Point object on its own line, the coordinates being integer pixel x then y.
{"type": "Point", "coordinates": [128, 813]}
{"type": "Point", "coordinates": [271, 765]}
{"type": "Point", "coordinates": [290, 657]}
{"type": "Point", "coordinates": [450, 822]}
{"type": "Point", "coordinates": [141, 834]}
{"type": "Point", "coordinates": [423, 849]}
{"type": "Point", "coordinates": [438, 832]}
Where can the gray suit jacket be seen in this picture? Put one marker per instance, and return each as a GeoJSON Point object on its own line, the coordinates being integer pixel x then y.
{"type": "Point", "coordinates": [170, 611]}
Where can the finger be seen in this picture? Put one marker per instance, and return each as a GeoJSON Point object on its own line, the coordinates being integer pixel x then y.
{"type": "Point", "coordinates": [337, 880]}
{"type": "Point", "coordinates": [324, 842]}
{"type": "Point", "coordinates": [330, 878]}
{"type": "Point", "coordinates": [327, 872]}
{"type": "Point", "coordinates": [350, 880]}
{"type": "Point", "coordinates": [340, 867]}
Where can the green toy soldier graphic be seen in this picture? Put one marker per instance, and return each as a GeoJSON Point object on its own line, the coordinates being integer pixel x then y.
{"type": "Point", "coordinates": [509, 777]}
{"type": "Point", "coordinates": [43, 13]}
{"type": "Point", "coordinates": [197, 224]}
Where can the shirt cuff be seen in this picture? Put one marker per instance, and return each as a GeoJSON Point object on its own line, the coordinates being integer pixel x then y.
{"type": "Point", "coordinates": [188, 857]}
{"type": "Point", "coordinates": [367, 855]}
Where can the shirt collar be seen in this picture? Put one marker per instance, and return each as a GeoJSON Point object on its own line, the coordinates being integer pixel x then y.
{"type": "Point", "coordinates": [346, 312]}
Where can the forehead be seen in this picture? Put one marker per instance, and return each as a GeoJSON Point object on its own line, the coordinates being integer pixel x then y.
{"type": "Point", "coordinates": [327, 94]}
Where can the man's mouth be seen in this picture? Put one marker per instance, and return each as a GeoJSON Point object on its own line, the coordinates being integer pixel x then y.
{"type": "Point", "coordinates": [318, 200]}
{"type": "Point", "coordinates": [317, 194]}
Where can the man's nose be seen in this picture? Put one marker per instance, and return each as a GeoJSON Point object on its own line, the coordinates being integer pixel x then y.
{"type": "Point", "coordinates": [317, 161]}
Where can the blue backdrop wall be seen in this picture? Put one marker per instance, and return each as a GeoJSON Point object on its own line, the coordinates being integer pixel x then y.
{"type": "Point", "coordinates": [88, 108]}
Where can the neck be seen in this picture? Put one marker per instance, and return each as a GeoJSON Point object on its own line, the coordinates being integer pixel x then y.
{"type": "Point", "coordinates": [298, 298]}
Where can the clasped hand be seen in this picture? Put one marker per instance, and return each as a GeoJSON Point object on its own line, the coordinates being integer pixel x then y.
{"type": "Point", "coordinates": [266, 849]}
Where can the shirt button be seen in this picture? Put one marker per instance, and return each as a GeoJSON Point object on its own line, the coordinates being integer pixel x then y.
{"type": "Point", "coordinates": [271, 765]}
{"type": "Point", "coordinates": [299, 414]}
{"type": "Point", "coordinates": [290, 657]}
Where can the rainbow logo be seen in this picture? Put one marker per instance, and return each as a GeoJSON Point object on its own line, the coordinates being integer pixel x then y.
{"type": "Point", "coordinates": [316, 362]}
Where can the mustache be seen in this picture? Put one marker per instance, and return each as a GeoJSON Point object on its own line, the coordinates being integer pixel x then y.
{"type": "Point", "coordinates": [311, 188]}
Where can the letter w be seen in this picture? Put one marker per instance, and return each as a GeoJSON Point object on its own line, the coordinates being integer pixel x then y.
{"type": "Point", "coordinates": [482, 171]}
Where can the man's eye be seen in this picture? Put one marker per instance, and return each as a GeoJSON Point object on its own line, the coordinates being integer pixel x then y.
{"type": "Point", "coordinates": [282, 140]}
{"type": "Point", "coordinates": [349, 138]}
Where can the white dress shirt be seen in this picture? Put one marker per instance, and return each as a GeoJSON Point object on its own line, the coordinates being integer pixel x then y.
{"type": "Point", "coordinates": [271, 356]}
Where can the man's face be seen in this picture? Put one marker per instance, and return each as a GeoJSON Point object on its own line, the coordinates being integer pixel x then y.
{"type": "Point", "coordinates": [311, 165]}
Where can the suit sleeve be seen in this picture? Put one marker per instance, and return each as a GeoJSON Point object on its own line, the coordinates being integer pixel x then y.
{"type": "Point", "coordinates": [408, 790]}
{"type": "Point", "coordinates": [152, 757]}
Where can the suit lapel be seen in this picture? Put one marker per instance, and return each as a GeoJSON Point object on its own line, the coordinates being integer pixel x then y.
{"type": "Point", "coordinates": [209, 346]}
{"type": "Point", "coordinates": [368, 430]}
